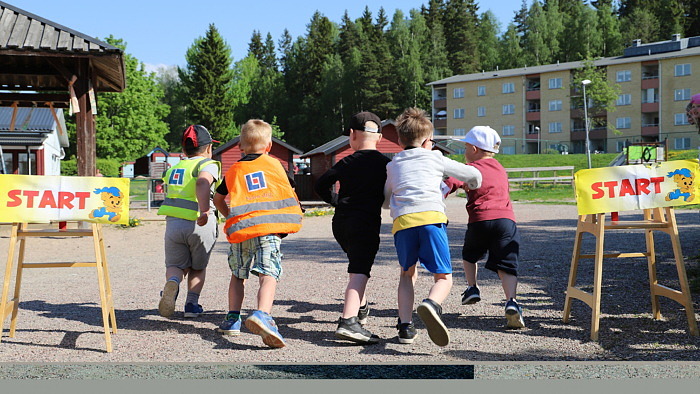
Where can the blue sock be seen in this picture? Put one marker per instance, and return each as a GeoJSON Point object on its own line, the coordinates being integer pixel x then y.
{"type": "Point", "coordinates": [175, 279]}
{"type": "Point", "coordinates": [192, 298]}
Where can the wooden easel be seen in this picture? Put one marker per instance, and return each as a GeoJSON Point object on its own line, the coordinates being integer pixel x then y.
{"type": "Point", "coordinates": [21, 231]}
{"type": "Point", "coordinates": [656, 219]}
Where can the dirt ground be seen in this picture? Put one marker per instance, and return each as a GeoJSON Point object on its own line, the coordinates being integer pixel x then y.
{"type": "Point", "coordinates": [60, 322]}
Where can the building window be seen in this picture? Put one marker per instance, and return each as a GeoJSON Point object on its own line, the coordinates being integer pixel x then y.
{"type": "Point", "coordinates": [682, 69]}
{"type": "Point", "coordinates": [509, 130]}
{"type": "Point", "coordinates": [24, 167]}
{"type": "Point", "coordinates": [459, 113]}
{"type": "Point", "coordinates": [508, 150]}
{"type": "Point", "coordinates": [555, 83]}
{"type": "Point", "coordinates": [555, 105]}
{"type": "Point", "coordinates": [481, 91]}
{"type": "Point", "coordinates": [508, 109]}
{"type": "Point", "coordinates": [481, 111]}
{"type": "Point", "coordinates": [681, 94]}
{"type": "Point", "coordinates": [681, 119]}
{"type": "Point", "coordinates": [682, 143]}
{"type": "Point", "coordinates": [9, 163]}
{"type": "Point", "coordinates": [460, 132]}
{"type": "Point", "coordinates": [619, 146]}
{"type": "Point", "coordinates": [624, 76]}
{"type": "Point", "coordinates": [555, 127]}
{"type": "Point", "coordinates": [458, 93]}
{"type": "Point", "coordinates": [624, 123]}
{"type": "Point", "coordinates": [509, 87]}
{"type": "Point", "coordinates": [624, 99]}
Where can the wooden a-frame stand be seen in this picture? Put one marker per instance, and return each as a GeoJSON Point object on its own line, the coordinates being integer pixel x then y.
{"type": "Point", "coordinates": [19, 233]}
{"type": "Point", "coordinates": [659, 219]}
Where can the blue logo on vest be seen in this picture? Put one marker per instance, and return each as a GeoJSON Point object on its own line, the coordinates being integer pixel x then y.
{"type": "Point", "coordinates": [177, 176]}
{"type": "Point", "coordinates": [255, 181]}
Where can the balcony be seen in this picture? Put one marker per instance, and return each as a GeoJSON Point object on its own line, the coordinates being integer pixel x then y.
{"type": "Point", "coordinates": [650, 107]}
{"type": "Point", "coordinates": [440, 103]}
{"type": "Point", "coordinates": [650, 130]}
{"type": "Point", "coordinates": [532, 94]}
{"type": "Point", "coordinates": [651, 83]}
{"type": "Point", "coordinates": [532, 115]}
{"type": "Point", "coordinates": [440, 123]}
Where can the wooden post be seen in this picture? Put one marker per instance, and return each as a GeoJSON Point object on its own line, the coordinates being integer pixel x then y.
{"type": "Point", "coordinates": [85, 123]}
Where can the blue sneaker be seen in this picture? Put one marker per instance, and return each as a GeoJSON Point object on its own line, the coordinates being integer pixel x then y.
{"type": "Point", "coordinates": [230, 326]}
{"type": "Point", "coordinates": [261, 323]}
{"type": "Point", "coordinates": [166, 306]}
{"type": "Point", "coordinates": [192, 310]}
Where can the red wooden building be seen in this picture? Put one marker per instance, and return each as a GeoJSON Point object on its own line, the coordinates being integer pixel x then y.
{"type": "Point", "coordinates": [230, 153]}
{"type": "Point", "coordinates": [326, 155]}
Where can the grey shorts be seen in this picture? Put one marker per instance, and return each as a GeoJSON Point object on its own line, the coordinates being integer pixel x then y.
{"type": "Point", "coordinates": [188, 245]}
{"type": "Point", "coordinates": [259, 255]}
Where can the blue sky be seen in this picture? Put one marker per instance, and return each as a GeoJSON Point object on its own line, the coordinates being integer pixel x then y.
{"type": "Point", "coordinates": [159, 32]}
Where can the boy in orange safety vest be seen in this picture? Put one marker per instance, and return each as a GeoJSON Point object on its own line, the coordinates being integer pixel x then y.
{"type": "Point", "coordinates": [263, 208]}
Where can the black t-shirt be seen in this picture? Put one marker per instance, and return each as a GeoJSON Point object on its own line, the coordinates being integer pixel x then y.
{"type": "Point", "coordinates": [362, 176]}
{"type": "Point", "coordinates": [223, 189]}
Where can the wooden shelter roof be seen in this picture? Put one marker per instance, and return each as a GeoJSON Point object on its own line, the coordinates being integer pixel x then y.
{"type": "Point", "coordinates": [39, 55]}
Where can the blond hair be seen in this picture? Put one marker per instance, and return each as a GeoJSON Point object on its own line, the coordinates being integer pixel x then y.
{"type": "Point", "coordinates": [413, 127]}
{"type": "Point", "coordinates": [255, 135]}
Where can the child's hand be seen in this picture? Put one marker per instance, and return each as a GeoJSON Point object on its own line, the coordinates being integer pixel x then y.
{"type": "Point", "coordinates": [203, 218]}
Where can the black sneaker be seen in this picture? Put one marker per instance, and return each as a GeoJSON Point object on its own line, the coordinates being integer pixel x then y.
{"type": "Point", "coordinates": [362, 314]}
{"type": "Point", "coordinates": [407, 332]}
{"type": "Point", "coordinates": [471, 295]}
{"type": "Point", "coordinates": [430, 311]}
{"type": "Point", "coordinates": [350, 330]}
{"type": "Point", "coordinates": [514, 315]}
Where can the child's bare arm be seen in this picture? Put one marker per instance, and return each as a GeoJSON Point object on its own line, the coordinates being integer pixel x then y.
{"type": "Point", "coordinates": [203, 188]}
{"type": "Point", "coordinates": [220, 204]}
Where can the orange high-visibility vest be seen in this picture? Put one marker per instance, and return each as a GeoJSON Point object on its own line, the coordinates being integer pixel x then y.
{"type": "Point", "coordinates": [262, 201]}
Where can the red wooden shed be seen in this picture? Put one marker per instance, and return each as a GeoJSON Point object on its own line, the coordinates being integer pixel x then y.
{"type": "Point", "coordinates": [230, 153]}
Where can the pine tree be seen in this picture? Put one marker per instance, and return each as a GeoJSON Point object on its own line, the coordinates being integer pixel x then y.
{"type": "Point", "coordinates": [207, 79]}
{"type": "Point", "coordinates": [174, 97]}
{"type": "Point", "coordinates": [460, 36]}
{"type": "Point", "coordinates": [408, 72]}
{"type": "Point", "coordinates": [640, 24]}
{"type": "Point", "coordinates": [534, 38]}
{"type": "Point", "coordinates": [489, 29]}
{"type": "Point", "coordinates": [581, 32]}
{"type": "Point", "coordinates": [511, 51]}
{"type": "Point", "coordinates": [609, 28]}
{"type": "Point", "coordinates": [555, 28]}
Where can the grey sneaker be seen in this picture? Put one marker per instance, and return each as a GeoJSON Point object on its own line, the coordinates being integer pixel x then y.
{"type": "Point", "coordinates": [471, 295]}
{"type": "Point", "coordinates": [350, 330]}
{"type": "Point", "coordinates": [430, 311]}
{"type": "Point", "coordinates": [362, 314]}
{"type": "Point", "coordinates": [514, 315]}
{"type": "Point", "coordinates": [166, 306]}
{"type": "Point", "coordinates": [407, 332]}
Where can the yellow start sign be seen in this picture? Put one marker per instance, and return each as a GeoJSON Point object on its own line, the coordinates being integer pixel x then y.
{"type": "Point", "coordinates": [40, 199]}
{"type": "Point", "coordinates": [626, 188]}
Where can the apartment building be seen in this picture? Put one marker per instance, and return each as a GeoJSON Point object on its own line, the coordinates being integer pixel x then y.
{"type": "Point", "coordinates": [532, 109]}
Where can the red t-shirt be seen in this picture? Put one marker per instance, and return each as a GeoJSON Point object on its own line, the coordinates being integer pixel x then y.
{"type": "Point", "coordinates": [492, 200]}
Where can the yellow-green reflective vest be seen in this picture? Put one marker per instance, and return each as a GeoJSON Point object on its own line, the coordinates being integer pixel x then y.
{"type": "Point", "coordinates": [181, 200]}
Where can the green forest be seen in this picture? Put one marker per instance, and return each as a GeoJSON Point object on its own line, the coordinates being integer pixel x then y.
{"type": "Point", "coordinates": [309, 86]}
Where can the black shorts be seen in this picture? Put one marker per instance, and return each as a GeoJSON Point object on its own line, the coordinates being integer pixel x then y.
{"type": "Point", "coordinates": [499, 238]}
{"type": "Point", "coordinates": [358, 235]}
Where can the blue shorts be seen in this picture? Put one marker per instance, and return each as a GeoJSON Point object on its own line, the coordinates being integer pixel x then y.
{"type": "Point", "coordinates": [259, 255]}
{"type": "Point", "coordinates": [427, 244]}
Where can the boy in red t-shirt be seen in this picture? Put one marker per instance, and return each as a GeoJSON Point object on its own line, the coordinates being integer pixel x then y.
{"type": "Point", "coordinates": [491, 225]}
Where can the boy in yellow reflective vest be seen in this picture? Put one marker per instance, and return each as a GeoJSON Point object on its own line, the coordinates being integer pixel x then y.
{"type": "Point", "coordinates": [263, 208]}
{"type": "Point", "coordinates": [191, 228]}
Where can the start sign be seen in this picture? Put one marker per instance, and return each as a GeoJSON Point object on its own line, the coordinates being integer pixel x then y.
{"type": "Point", "coordinates": [40, 199]}
{"type": "Point", "coordinates": [626, 188]}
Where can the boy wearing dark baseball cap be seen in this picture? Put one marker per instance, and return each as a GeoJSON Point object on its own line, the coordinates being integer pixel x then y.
{"type": "Point", "coordinates": [190, 224]}
{"type": "Point", "coordinates": [357, 218]}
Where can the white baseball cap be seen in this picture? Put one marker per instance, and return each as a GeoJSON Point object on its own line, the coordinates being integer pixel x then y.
{"type": "Point", "coordinates": [484, 137]}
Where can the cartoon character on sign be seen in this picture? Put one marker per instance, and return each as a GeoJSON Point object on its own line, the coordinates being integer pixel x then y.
{"type": "Point", "coordinates": [112, 200]}
{"type": "Point", "coordinates": [684, 179]}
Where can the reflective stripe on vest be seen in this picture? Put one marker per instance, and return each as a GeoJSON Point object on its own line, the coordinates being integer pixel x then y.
{"type": "Point", "coordinates": [262, 200]}
{"type": "Point", "coordinates": [181, 200]}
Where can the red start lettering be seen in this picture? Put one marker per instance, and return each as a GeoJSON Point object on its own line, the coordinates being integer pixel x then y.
{"type": "Point", "coordinates": [46, 199]}
{"type": "Point", "coordinates": [627, 187]}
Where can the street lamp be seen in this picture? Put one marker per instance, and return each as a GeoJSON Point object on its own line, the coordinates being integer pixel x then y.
{"type": "Point", "coordinates": [585, 120]}
{"type": "Point", "coordinates": [539, 137]}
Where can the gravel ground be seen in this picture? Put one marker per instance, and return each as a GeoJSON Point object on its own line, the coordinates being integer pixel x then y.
{"type": "Point", "coordinates": [60, 321]}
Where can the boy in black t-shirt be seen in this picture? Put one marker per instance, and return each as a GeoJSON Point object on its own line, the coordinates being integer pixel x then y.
{"type": "Point", "coordinates": [357, 218]}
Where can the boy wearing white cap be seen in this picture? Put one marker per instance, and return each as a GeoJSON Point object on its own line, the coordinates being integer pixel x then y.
{"type": "Point", "coordinates": [491, 225]}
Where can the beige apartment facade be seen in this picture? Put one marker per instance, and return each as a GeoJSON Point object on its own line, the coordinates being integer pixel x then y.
{"type": "Point", "coordinates": [532, 107]}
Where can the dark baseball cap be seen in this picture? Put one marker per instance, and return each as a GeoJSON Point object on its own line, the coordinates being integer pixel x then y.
{"type": "Point", "coordinates": [359, 122]}
{"type": "Point", "coordinates": [198, 134]}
